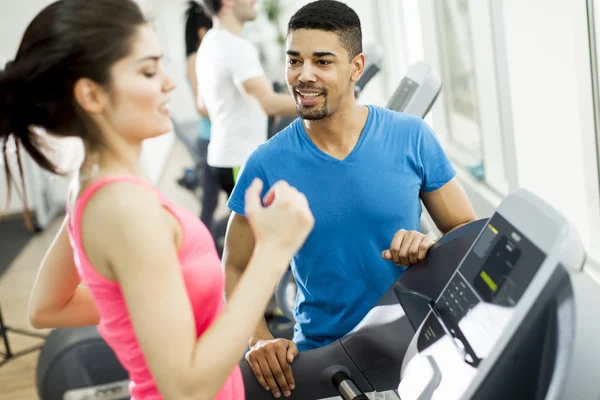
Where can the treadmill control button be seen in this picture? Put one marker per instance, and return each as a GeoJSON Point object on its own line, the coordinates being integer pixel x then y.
{"type": "Point", "coordinates": [458, 298]}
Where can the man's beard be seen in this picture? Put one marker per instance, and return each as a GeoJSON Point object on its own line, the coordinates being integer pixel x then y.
{"type": "Point", "coordinates": [313, 114]}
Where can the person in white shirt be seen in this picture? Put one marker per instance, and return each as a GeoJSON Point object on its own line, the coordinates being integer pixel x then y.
{"type": "Point", "coordinates": [233, 90]}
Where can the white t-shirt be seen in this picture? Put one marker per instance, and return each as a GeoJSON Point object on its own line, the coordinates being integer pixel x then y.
{"type": "Point", "coordinates": [238, 122]}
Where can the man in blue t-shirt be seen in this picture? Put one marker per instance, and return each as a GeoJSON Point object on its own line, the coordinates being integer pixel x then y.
{"type": "Point", "coordinates": [363, 169]}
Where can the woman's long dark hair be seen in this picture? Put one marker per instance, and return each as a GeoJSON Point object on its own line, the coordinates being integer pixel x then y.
{"type": "Point", "coordinates": [66, 41]}
{"type": "Point", "coordinates": [196, 18]}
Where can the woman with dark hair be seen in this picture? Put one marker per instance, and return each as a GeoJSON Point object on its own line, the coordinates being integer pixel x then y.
{"type": "Point", "coordinates": [153, 281]}
{"type": "Point", "coordinates": [196, 26]}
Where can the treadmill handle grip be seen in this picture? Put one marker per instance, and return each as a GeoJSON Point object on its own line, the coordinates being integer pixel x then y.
{"type": "Point", "coordinates": [347, 388]}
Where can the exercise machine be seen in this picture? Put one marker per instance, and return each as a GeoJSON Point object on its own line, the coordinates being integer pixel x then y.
{"type": "Point", "coordinates": [417, 92]}
{"type": "Point", "coordinates": [501, 308]}
{"type": "Point", "coordinates": [77, 364]}
{"type": "Point", "coordinates": [514, 318]}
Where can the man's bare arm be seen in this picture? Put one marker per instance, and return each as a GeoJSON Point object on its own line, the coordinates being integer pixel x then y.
{"type": "Point", "coordinates": [273, 103]}
{"type": "Point", "coordinates": [449, 206]}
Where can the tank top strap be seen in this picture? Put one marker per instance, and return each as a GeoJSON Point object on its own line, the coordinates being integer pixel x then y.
{"type": "Point", "coordinates": [81, 201]}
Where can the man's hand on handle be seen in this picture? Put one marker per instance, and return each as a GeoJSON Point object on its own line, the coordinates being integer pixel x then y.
{"type": "Point", "coordinates": [270, 360]}
{"type": "Point", "coordinates": [408, 247]}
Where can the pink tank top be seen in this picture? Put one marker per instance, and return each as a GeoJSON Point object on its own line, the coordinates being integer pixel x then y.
{"type": "Point", "coordinates": [204, 281]}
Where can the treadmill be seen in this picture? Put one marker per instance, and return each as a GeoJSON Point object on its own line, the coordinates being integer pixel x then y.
{"type": "Point", "coordinates": [514, 319]}
{"type": "Point", "coordinates": [501, 308]}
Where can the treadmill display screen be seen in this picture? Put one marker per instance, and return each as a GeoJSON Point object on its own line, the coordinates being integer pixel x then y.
{"type": "Point", "coordinates": [502, 263]}
{"type": "Point", "coordinates": [495, 274]}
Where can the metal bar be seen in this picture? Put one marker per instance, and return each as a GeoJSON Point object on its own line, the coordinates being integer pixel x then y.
{"type": "Point", "coordinates": [4, 337]}
{"type": "Point", "coordinates": [594, 71]}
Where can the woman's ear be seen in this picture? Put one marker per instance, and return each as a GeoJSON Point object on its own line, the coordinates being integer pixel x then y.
{"type": "Point", "coordinates": [89, 95]}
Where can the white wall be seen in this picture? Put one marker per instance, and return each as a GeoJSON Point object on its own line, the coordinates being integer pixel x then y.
{"type": "Point", "coordinates": [14, 21]}
{"type": "Point", "coordinates": [550, 82]}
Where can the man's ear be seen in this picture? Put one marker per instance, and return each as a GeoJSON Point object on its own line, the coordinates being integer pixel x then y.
{"type": "Point", "coordinates": [89, 95]}
{"type": "Point", "coordinates": [358, 64]}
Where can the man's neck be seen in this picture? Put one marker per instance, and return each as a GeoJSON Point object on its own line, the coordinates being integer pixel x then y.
{"type": "Point", "coordinates": [228, 22]}
{"type": "Point", "coordinates": [339, 132]}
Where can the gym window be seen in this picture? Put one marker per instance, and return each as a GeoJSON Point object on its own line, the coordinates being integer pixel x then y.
{"type": "Point", "coordinates": [458, 70]}
{"type": "Point", "coordinates": [461, 40]}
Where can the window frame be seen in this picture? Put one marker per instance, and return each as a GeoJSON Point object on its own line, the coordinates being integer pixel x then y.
{"type": "Point", "coordinates": [593, 28]}
{"type": "Point", "coordinates": [493, 100]}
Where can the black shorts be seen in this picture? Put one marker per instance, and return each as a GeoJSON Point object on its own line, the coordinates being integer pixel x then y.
{"type": "Point", "coordinates": [227, 177]}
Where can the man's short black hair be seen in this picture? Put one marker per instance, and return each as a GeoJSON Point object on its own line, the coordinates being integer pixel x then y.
{"type": "Point", "coordinates": [331, 16]}
{"type": "Point", "coordinates": [212, 7]}
{"type": "Point", "coordinates": [196, 18]}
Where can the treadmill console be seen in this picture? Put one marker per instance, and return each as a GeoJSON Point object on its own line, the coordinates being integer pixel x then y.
{"type": "Point", "coordinates": [492, 278]}
{"type": "Point", "coordinates": [512, 264]}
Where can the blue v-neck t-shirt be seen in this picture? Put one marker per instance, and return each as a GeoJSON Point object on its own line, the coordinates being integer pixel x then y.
{"type": "Point", "coordinates": [359, 203]}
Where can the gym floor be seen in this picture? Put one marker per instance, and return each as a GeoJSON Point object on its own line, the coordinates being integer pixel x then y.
{"type": "Point", "coordinates": [17, 378]}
